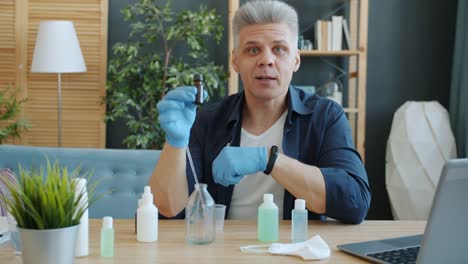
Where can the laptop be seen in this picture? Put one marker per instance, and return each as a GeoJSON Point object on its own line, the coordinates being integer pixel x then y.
{"type": "Point", "coordinates": [445, 239]}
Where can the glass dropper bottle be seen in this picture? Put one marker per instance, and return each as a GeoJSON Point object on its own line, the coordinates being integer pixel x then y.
{"type": "Point", "coordinates": [198, 81]}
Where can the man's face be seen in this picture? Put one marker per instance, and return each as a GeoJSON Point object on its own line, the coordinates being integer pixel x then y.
{"type": "Point", "coordinates": [266, 58]}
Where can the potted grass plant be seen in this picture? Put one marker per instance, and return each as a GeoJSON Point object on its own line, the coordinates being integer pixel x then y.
{"type": "Point", "coordinates": [47, 209]}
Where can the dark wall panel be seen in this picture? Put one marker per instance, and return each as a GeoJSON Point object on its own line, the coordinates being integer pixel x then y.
{"type": "Point", "coordinates": [410, 58]}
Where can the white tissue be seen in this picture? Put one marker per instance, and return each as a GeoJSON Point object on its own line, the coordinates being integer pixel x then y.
{"type": "Point", "coordinates": [312, 249]}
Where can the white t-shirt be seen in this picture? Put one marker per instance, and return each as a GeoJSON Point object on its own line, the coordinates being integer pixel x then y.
{"type": "Point", "coordinates": [248, 193]}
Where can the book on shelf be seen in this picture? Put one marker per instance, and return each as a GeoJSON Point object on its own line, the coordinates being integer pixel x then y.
{"type": "Point", "coordinates": [346, 34]}
{"type": "Point", "coordinates": [318, 35]}
{"type": "Point", "coordinates": [329, 34]}
{"type": "Point", "coordinates": [336, 32]}
{"type": "Point", "coordinates": [323, 23]}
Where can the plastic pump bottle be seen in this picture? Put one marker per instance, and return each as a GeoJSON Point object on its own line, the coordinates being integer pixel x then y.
{"type": "Point", "coordinates": [147, 218]}
{"type": "Point", "coordinates": [107, 237]}
{"type": "Point", "coordinates": [299, 222]}
{"type": "Point", "coordinates": [268, 219]}
{"type": "Point", "coordinates": [82, 239]}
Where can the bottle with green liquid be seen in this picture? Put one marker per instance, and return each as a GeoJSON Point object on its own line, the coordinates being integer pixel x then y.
{"type": "Point", "coordinates": [268, 219]}
{"type": "Point", "coordinates": [107, 237]}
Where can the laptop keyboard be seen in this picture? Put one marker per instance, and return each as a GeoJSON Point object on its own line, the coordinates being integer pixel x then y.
{"type": "Point", "coordinates": [398, 256]}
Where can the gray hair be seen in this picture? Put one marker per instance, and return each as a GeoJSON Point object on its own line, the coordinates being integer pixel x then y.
{"type": "Point", "coordinates": [264, 12]}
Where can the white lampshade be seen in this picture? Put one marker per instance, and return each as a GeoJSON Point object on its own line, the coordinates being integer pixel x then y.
{"type": "Point", "coordinates": [420, 143]}
{"type": "Point", "coordinates": [57, 49]}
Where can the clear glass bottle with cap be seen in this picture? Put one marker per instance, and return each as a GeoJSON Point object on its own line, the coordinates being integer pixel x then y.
{"type": "Point", "coordinates": [200, 216]}
{"type": "Point", "coordinates": [299, 222]}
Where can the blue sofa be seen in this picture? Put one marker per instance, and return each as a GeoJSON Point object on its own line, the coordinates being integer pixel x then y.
{"type": "Point", "coordinates": [125, 172]}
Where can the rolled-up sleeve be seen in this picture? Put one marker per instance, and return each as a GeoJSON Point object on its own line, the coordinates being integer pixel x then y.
{"type": "Point", "coordinates": [347, 188]}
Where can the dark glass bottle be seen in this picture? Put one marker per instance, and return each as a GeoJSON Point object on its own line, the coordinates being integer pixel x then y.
{"type": "Point", "coordinates": [198, 81]}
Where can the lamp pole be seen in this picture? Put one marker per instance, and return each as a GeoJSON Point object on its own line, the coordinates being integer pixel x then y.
{"type": "Point", "coordinates": [58, 51]}
{"type": "Point", "coordinates": [59, 105]}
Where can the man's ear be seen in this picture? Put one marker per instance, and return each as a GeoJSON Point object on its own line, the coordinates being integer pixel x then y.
{"type": "Point", "coordinates": [297, 61]}
{"type": "Point", "coordinates": [234, 60]}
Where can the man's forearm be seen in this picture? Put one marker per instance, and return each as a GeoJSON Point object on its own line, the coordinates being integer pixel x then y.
{"type": "Point", "coordinates": [169, 181]}
{"type": "Point", "coordinates": [301, 180]}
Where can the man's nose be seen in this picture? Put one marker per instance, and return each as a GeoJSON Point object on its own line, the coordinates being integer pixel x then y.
{"type": "Point", "coordinates": [266, 59]}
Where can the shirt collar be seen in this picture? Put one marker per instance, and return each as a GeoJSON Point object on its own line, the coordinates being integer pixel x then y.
{"type": "Point", "coordinates": [297, 99]}
{"type": "Point", "coordinates": [236, 112]}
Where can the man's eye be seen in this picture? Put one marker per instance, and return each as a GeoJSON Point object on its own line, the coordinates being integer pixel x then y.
{"type": "Point", "coordinates": [279, 49]}
{"type": "Point", "coordinates": [253, 50]}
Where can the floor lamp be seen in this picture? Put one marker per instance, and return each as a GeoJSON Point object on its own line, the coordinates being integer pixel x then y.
{"type": "Point", "coordinates": [58, 51]}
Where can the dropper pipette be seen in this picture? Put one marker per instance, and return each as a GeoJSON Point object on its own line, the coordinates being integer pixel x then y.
{"type": "Point", "coordinates": [191, 164]}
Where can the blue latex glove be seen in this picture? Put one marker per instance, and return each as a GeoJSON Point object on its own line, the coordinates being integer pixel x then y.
{"type": "Point", "coordinates": [233, 163]}
{"type": "Point", "coordinates": [177, 113]}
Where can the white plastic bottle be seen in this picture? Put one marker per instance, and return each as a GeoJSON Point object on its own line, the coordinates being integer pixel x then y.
{"type": "Point", "coordinates": [139, 204]}
{"type": "Point", "coordinates": [82, 239]}
{"type": "Point", "coordinates": [147, 218]}
{"type": "Point", "coordinates": [299, 222]}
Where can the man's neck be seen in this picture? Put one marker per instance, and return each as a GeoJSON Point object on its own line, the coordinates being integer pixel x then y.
{"type": "Point", "coordinates": [258, 117]}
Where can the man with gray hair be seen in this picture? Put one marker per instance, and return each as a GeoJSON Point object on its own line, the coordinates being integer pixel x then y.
{"type": "Point", "coordinates": [269, 138]}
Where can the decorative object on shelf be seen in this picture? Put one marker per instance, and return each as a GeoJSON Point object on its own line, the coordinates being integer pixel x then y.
{"type": "Point", "coordinates": [47, 211]}
{"type": "Point", "coordinates": [332, 89]}
{"type": "Point", "coordinates": [419, 144]}
{"type": "Point", "coordinates": [307, 88]}
{"type": "Point", "coordinates": [58, 51]}
{"type": "Point", "coordinates": [11, 126]}
{"type": "Point", "coordinates": [139, 76]}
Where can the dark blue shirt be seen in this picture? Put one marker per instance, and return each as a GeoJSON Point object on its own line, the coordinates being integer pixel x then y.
{"type": "Point", "coordinates": [316, 132]}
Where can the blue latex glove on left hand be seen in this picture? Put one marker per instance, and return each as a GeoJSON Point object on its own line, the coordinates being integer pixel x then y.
{"type": "Point", "coordinates": [233, 163]}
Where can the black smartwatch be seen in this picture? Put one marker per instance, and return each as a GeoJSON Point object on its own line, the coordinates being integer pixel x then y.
{"type": "Point", "coordinates": [271, 159]}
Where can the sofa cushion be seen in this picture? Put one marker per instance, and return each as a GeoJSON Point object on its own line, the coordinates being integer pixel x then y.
{"type": "Point", "coordinates": [124, 172]}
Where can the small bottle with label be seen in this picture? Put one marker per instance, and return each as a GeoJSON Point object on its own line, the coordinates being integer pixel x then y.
{"type": "Point", "coordinates": [268, 223]}
{"type": "Point", "coordinates": [299, 222]}
{"type": "Point", "coordinates": [107, 237]}
{"type": "Point", "coordinates": [147, 218]}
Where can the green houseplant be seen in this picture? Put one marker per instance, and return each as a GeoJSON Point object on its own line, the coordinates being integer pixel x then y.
{"type": "Point", "coordinates": [47, 210]}
{"type": "Point", "coordinates": [138, 76]}
{"type": "Point", "coordinates": [10, 107]}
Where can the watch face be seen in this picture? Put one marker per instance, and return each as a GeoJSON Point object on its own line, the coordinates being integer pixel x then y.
{"type": "Point", "coordinates": [274, 149]}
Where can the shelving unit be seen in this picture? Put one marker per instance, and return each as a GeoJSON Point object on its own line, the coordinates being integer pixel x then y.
{"type": "Point", "coordinates": [356, 72]}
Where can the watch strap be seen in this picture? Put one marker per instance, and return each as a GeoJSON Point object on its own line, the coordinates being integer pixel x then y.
{"type": "Point", "coordinates": [271, 159]}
